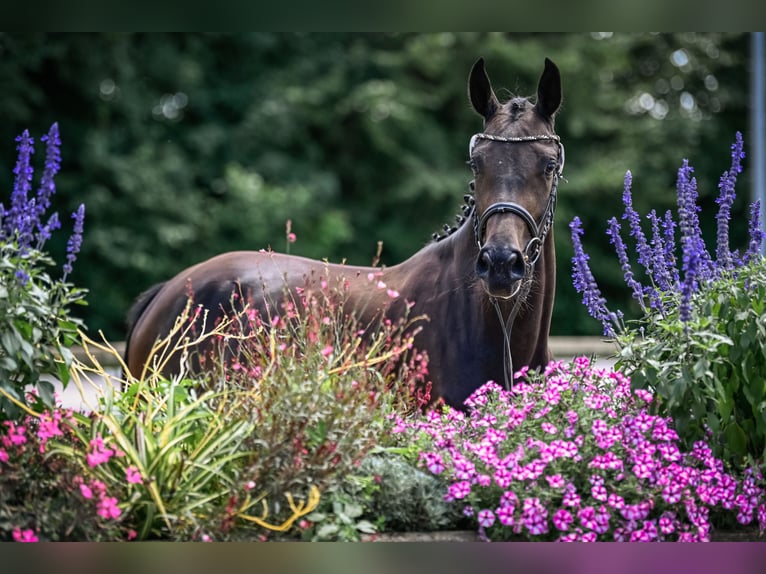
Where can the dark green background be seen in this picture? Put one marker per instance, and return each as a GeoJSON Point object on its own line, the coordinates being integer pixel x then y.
{"type": "Point", "coordinates": [186, 145]}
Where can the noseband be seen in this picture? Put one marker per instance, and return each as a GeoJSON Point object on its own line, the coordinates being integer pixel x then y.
{"type": "Point", "coordinates": [532, 250]}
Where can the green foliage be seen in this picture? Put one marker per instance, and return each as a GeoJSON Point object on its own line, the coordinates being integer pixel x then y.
{"type": "Point", "coordinates": [37, 329]}
{"type": "Point", "coordinates": [709, 373]}
{"type": "Point", "coordinates": [187, 145]}
{"type": "Point", "coordinates": [386, 493]}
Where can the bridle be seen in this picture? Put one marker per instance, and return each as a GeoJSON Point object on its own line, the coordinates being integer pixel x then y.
{"type": "Point", "coordinates": [533, 249]}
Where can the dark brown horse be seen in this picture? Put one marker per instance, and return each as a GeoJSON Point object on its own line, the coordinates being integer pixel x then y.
{"type": "Point", "coordinates": [486, 286]}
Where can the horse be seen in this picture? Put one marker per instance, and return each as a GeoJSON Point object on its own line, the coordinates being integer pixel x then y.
{"type": "Point", "coordinates": [486, 285]}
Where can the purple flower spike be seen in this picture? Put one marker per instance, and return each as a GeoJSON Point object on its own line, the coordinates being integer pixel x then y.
{"type": "Point", "coordinates": [756, 233]}
{"type": "Point", "coordinates": [689, 285]}
{"type": "Point", "coordinates": [52, 164]}
{"type": "Point", "coordinates": [75, 241]}
{"type": "Point", "coordinates": [725, 200]}
{"type": "Point", "coordinates": [615, 239]}
{"type": "Point", "coordinates": [669, 238]}
{"type": "Point", "coordinates": [634, 219]}
{"type": "Point", "coordinates": [660, 272]}
{"type": "Point", "coordinates": [17, 222]}
{"type": "Point", "coordinates": [691, 236]}
{"type": "Point", "coordinates": [584, 283]}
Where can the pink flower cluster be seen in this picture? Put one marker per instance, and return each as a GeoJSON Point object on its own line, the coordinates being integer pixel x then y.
{"type": "Point", "coordinates": [574, 454]}
{"type": "Point", "coordinates": [96, 490]}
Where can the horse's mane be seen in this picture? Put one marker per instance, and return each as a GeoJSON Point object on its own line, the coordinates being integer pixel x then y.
{"type": "Point", "coordinates": [460, 218]}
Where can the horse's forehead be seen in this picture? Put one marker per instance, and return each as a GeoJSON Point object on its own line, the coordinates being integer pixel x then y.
{"type": "Point", "coordinates": [516, 117]}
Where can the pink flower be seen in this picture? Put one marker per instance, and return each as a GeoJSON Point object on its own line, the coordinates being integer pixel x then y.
{"type": "Point", "coordinates": [133, 475]}
{"type": "Point", "coordinates": [99, 454]}
{"type": "Point", "coordinates": [107, 508]}
{"type": "Point", "coordinates": [16, 434]}
{"type": "Point", "coordinates": [549, 428]}
{"type": "Point", "coordinates": [505, 515]}
{"type": "Point", "coordinates": [486, 518]}
{"type": "Point", "coordinates": [3, 455]}
{"type": "Point", "coordinates": [434, 463]}
{"type": "Point", "coordinates": [392, 293]}
{"type": "Point", "coordinates": [503, 478]}
{"type": "Point", "coordinates": [555, 481]}
{"type": "Point", "coordinates": [291, 237]}
{"type": "Point", "coordinates": [27, 535]}
{"type": "Point", "coordinates": [562, 519]}
{"type": "Point", "coordinates": [86, 491]}
{"type": "Point", "coordinates": [459, 489]}
{"type": "Point", "coordinates": [327, 351]}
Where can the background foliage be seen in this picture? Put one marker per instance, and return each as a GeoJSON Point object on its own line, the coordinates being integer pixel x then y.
{"type": "Point", "coordinates": [186, 145]}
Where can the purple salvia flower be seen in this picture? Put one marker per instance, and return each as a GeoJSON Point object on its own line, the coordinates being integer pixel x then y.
{"type": "Point", "coordinates": [756, 233]}
{"type": "Point", "coordinates": [585, 284]}
{"type": "Point", "coordinates": [662, 277]}
{"type": "Point", "coordinates": [688, 220]}
{"type": "Point", "coordinates": [726, 196]}
{"type": "Point", "coordinates": [622, 256]}
{"type": "Point", "coordinates": [75, 240]}
{"type": "Point", "coordinates": [691, 262]}
{"type": "Point", "coordinates": [17, 221]}
{"type": "Point", "coordinates": [44, 231]}
{"type": "Point", "coordinates": [47, 185]}
{"type": "Point", "coordinates": [669, 240]}
{"type": "Point", "coordinates": [642, 247]}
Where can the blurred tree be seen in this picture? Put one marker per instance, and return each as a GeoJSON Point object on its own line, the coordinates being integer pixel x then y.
{"type": "Point", "coordinates": [186, 145]}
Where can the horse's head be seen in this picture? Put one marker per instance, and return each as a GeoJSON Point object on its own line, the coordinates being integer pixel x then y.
{"type": "Point", "coordinates": [516, 162]}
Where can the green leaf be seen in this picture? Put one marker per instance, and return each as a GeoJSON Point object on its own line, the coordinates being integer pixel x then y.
{"type": "Point", "coordinates": [353, 510]}
{"type": "Point", "coordinates": [366, 527]}
{"type": "Point", "coordinates": [46, 390]}
{"type": "Point", "coordinates": [327, 530]}
{"type": "Point", "coordinates": [736, 439]}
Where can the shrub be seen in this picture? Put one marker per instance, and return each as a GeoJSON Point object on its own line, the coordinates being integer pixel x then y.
{"type": "Point", "coordinates": [700, 343]}
{"type": "Point", "coordinates": [324, 385]}
{"type": "Point", "coordinates": [242, 453]}
{"type": "Point", "coordinates": [37, 329]}
{"type": "Point", "coordinates": [573, 454]}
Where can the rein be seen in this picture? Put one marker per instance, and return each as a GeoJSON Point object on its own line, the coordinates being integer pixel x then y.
{"type": "Point", "coordinates": [532, 250]}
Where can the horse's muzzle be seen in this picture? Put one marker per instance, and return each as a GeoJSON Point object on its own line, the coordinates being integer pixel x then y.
{"type": "Point", "coordinates": [500, 268]}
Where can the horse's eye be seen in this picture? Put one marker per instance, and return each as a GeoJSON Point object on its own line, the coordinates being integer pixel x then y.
{"type": "Point", "coordinates": [550, 168]}
{"type": "Point", "coordinates": [473, 165]}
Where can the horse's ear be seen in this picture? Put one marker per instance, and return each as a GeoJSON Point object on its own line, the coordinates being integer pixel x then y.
{"type": "Point", "coordinates": [549, 90]}
{"type": "Point", "coordinates": [480, 92]}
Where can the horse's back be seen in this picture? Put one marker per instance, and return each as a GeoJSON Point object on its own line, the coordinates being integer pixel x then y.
{"type": "Point", "coordinates": [260, 278]}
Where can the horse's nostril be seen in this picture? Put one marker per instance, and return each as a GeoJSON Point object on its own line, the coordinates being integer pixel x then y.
{"type": "Point", "coordinates": [516, 264]}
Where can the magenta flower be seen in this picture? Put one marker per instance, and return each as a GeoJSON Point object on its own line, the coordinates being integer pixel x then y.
{"type": "Point", "coordinates": [108, 509]}
{"type": "Point", "coordinates": [503, 478]}
{"type": "Point", "coordinates": [86, 491]}
{"type": "Point", "coordinates": [534, 516]}
{"type": "Point", "coordinates": [505, 515]}
{"type": "Point", "coordinates": [555, 481]}
{"type": "Point", "coordinates": [132, 475]}
{"type": "Point", "coordinates": [486, 518]}
{"type": "Point", "coordinates": [99, 453]}
{"type": "Point", "coordinates": [459, 490]}
{"type": "Point", "coordinates": [562, 519]}
{"type": "Point", "coordinates": [26, 535]}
